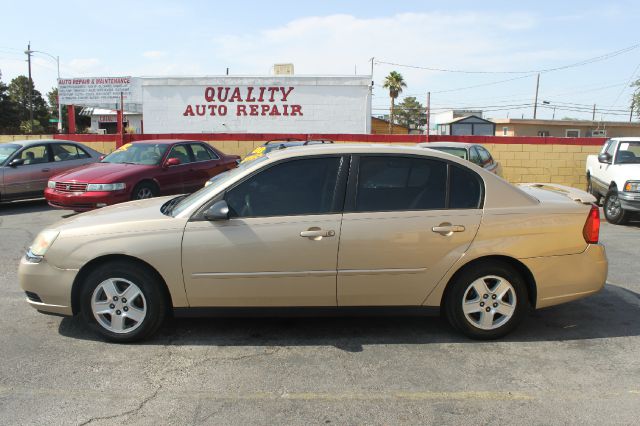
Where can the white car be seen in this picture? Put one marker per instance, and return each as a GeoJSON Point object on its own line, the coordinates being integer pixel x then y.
{"type": "Point", "coordinates": [615, 175]}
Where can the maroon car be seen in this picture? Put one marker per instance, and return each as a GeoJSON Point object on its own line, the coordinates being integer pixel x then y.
{"type": "Point", "coordinates": [139, 170]}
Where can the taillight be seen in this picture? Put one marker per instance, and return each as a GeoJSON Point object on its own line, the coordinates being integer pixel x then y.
{"type": "Point", "coordinates": [591, 230]}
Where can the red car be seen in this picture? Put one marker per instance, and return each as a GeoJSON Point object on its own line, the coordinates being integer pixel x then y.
{"type": "Point", "coordinates": [138, 170]}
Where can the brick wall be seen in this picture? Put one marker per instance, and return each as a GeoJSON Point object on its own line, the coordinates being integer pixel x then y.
{"type": "Point", "coordinates": [523, 159]}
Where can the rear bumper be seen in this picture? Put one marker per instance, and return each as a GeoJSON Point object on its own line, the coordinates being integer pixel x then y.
{"type": "Point", "coordinates": [561, 279]}
{"type": "Point", "coordinates": [82, 201]}
{"type": "Point", "coordinates": [629, 201]}
{"type": "Point", "coordinates": [48, 287]}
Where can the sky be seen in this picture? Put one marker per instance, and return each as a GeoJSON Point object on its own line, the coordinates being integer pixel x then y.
{"type": "Point", "coordinates": [498, 44]}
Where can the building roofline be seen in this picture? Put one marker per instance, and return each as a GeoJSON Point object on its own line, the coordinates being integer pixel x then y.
{"type": "Point", "coordinates": [564, 122]}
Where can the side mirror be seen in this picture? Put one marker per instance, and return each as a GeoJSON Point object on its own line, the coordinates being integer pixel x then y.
{"type": "Point", "coordinates": [172, 162]}
{"type": "Point", "coordinates": [604, 158]}
{"type": "Point", "coordinates": [16, 162]}
{"type": "Point", "coordinates": [218, 211]}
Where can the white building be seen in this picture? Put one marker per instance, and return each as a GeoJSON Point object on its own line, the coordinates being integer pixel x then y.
{"type": "Point", "coordinates": [105, 120]}
{"type": "Point", "coordinates": [270, 104]}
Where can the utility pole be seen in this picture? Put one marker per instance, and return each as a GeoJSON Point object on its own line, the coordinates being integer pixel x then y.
{"type": "Point", "coordinates": [593, 116]}
{"type": "Point", "coordinates": [428, 113]}
{"type": "Point", "coordinates": [631, 112]}
{"type": "Point", "coordinates": [535, 103]}
{"type": "Point", "coordinates": [28, 52]}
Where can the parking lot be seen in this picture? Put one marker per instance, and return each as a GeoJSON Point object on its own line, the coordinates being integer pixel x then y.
{"type": "Point", "coordinates": [575, 364]}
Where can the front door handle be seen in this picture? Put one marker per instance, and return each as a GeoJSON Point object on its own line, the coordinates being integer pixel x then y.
{"type": "Point", "coordinates": [45, 170]}
{"type": "Point", "coordinates": [447, 229]}
{"type": "Point", "coordinates": [316, 233]}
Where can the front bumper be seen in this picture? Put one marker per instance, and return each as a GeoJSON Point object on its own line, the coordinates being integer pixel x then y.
{"type": "Point", "coordinates": [83, 201]}
{"type": "Point", "coordinates": [561, 279]}
{"type": "Point", "coordinates": [51, 285]}
{"type": "Point", "coordinates": [629, 201]}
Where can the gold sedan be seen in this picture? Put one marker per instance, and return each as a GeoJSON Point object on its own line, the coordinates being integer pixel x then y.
{"type": "Point", "coordinates": [333, 228]}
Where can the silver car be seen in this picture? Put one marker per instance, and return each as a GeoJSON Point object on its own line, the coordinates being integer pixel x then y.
{"type": "Point", "coordinates": [26, 166]}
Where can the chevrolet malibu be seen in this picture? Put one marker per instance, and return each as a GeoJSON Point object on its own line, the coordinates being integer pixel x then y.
{"type": "Point", "coordinates": [138, 170]}
{"type": "Point", "coordinates": [328, 228]}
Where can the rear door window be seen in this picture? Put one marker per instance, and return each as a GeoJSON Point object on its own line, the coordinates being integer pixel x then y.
{"type": "Point", "coordinates": [67, 152]}
{"type": "Point", "coordinates": [201, 153]}
{"type": "Point", "coordinates": [388, 183]}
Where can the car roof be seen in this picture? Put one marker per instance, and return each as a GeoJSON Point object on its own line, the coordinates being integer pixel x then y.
{"type": "Point", "coordinates": [29, 142]}
{"type": "Point", "coordinates": [628, 139]}
{"type": "Point", "coordinates": [166, 141]}
{"type": "Point", "coordinates": [443, 144]}
{"type": "Point", "coordinates": [361, 148]}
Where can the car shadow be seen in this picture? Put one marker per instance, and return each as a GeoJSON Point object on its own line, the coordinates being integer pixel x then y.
{"type": "Point", "coordinates": [611, 313]}
{"type": "Point", "coordinates": [21, 207]}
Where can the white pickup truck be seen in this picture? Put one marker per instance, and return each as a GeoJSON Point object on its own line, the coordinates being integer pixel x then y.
{"type": "Point", "coordinates": [615, 175]}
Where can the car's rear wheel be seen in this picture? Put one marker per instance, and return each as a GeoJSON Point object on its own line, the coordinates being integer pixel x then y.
{"type": "Point", "coordinates": [487, 301]}
{"type": "Point", "coordinates": [613, 210]}
{"type": "Point", "coordinates": [144, 190]}
{"type": "Point", "coordinates": [123, 301]}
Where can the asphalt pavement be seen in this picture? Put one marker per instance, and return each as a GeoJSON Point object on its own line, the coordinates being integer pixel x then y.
{"type": "Point", "coordinates": [576, 363]}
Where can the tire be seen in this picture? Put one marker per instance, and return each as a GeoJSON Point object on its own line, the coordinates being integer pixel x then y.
{"type": "Point", "coordinates": [144, 190]}
{"type": "Point", "coordinates": [489, 316]}
{"type": "Point", "coordinates": [592, 192]}
{"type": "Point", "coordinates": [105, 307]}
{"type": "Point", "coordinates": [613, 211]}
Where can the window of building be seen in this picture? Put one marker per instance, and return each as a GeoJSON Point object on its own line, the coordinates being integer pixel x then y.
{"type": "Point", "coordinates": [543, 133]}
{"type": "Point", "coordinates": [505, 131]}
{"type": "Point", "coordinates": [572, 133]}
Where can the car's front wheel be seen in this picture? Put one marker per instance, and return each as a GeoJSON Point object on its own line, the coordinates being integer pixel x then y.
{"type": "Point", "coordinates": [123, 301]}
{"type": "Point", "coordinates": [613, 210]}
{"type": "Point", "coordinates": [144, 190]}
{"type": "Point", "coordinates": [486, 301]}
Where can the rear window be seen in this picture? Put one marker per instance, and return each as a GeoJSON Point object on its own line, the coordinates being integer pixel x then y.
{"type": "Point", "coordinates": [458, 152]}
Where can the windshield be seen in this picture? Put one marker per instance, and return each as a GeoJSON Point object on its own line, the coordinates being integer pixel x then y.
{"type": "Point", "coordinates": [139, 153]}
{"type": "Point", "coordinates": [458, 152]}
{"type": "Point", "coordinates": [6, 149]}
{"type": "Point", "coordinates": [628, 153]}
{"type": "Point", "coordinates": [213, 185]}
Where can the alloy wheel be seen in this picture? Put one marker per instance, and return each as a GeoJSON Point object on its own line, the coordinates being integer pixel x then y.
{"type": "Point", "coordinates": [118, 305]}
{"type": "Point", "coordinates": [489, 302]}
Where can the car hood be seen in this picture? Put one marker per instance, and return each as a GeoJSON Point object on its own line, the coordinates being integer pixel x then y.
{"type": "Point", "coordinates": [102, 173]}
{"type": "Point", "coordinates": [132, 216]}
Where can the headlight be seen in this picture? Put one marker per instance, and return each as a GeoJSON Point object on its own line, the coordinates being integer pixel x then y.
{"type": "Point", "coordinates": [632, 186]}
{"type": "Point", "coordinates": [51, 184]}
{"type": "Point", "coordinates": [41, 244]}
{"type": "Point", "coordinates": [106, 186]}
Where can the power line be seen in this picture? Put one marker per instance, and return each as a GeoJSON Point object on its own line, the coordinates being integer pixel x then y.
{"type": "Point", "coordinates": [544, 70]}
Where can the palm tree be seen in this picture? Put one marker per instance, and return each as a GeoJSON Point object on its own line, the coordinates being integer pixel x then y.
{"type": "Point", "coordinates": [394, 82]}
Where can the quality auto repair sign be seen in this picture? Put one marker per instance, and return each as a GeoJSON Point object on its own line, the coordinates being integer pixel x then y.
{"type": "Point", "coordinates": [243, 101]}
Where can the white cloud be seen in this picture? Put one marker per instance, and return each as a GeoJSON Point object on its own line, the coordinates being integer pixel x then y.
{"type": "Point", "coordinates": [154, 54]}
{"type": "Point", "coordinates": [82, 66]}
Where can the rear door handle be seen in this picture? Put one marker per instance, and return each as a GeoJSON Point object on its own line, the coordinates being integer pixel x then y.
{"type": "Point", "coordinates": [316, 233]}
{"type": "Point", "coordinates": [447, 229]}
{"type": "Point", "coordinates": [45, 170]}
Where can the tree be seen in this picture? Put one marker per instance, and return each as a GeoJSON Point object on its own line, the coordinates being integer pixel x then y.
{"type": "Point", "coordinates": [9, 120]}
{"type": "Point", "coordinates": [411, 113]}
{"type": "Point", "coordinates": [19, 93]}
{"type": "Point", "coordinates": [394, 82]}
{"type": "Point", "coordinates": [52, 98]}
